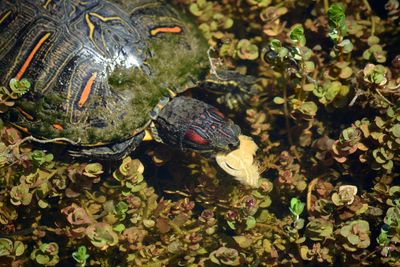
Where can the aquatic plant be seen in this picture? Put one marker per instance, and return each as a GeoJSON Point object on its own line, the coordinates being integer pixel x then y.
{"type": "Point", "coordinates": [225, 256]}
{"type": "Point", "coordinates": [8, 248]}
{"type": "Point", "coordinates": [356, 234]}
{"type": "Point", "coordinates": [102, 235]}
{"type": "Point", "coordinates": [323, 109]}
{"type": "Point", "coordinates": [345, 195]}
{"type": "Point", "coordinates": [81, 255]}
{"type": "Point", "coordinates": [46, 254]}
{"type": "Point", "coordinates": [8, 95]}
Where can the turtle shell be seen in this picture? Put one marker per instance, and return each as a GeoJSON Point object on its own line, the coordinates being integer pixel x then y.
{"type": "Point", "coordinates": [97, 68]}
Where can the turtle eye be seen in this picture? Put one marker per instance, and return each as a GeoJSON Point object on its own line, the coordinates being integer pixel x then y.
{"type": "Point", "coordinates": [194, 137]}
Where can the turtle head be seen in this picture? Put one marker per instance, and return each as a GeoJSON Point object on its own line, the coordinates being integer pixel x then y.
{"type": "Point", "coordinates": [210, 130]}
{"type": "Point", "coordinates": [193, 124]}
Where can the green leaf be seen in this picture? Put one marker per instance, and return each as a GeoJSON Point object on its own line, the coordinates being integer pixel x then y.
{"type": "Point", "coordinates": [309, 108]}
{"type": "Point", "coordinates": [19, 248]}
{"type": "Point", "coordinates": [388, 165]}
{"type": "Point", "coordinates": [80, 255]}
{"type": "Point", "coordinates": [20, 87]}
{"type": "Point", "coordinates": [353, 239]}
{"type": "Point", "coordinates": [42, 259]}
{"type": "Point", "coordinates": [43, 204]}
{"type": "Point", "coordinates": [5, 246]}
{"type": "Point", "coordinates": [250, 222]}
{"type": "Point", "coordinates": [309, 66]}
{"type": "Point", "coordinates": [297, 35]}
{"type": "Point", "coordinates": [396, 130]}
{"type": "Point", "coordinates": [346, 45]}
{"type": "Point", "coordinates": [299, 224]}
{"type": "Point", "coordinates": [149, 223]}
{"type": "Point", "coordinates": [296, 206]}
{"type": "Point", "coordinates": [243, 241]}
{"type": "Point", "coordinates": [275, 45]}
{"type": "Point", "coordinates": [266, 202]}
{"type": "Point", "coordinates": [138, 188]}
{"type": "Point", "coordinates": [336, 15]}
{"type": "Point", "coordinates": [383, 238]}
{"type": "Point", "coordinates": [394, 190]}
{"type": "Point", "coordinates": [231, 224]}
{"type": "Point", "coordinates": [390, 112]}
{"type": "Point", "coordinates": [246, 50]}
{"type": "Point", "coordinates": [309, 87]}
{"type": "Point", "coordinates": [119, 228]}
{"type": "Point", "coordinates": [122, 207]}
{"type": "Point", "coordinates": [373, 40]}
{"type": "Point", "coordinates": [346, 73]}
{"type": "Point", "coordinates": [195, 10]}
{"type": "Point", "coordinates": [279, 100]}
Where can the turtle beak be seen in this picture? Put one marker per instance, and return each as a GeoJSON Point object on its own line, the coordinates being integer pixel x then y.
{"type": "Point", "coordinates": [224, 133]}
{"type": "Point", "coordinates": [230, 139]}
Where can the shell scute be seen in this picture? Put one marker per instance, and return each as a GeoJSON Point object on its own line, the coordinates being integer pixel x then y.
{"type": "Point", "coordinates": [96, 69]}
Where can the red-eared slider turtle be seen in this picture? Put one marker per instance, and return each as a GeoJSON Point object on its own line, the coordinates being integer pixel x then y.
{"type": "Point", "coordinates": [104, 73]}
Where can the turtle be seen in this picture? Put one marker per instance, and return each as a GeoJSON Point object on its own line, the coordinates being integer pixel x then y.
{"type": "Point", "coordinates": [107, 75]}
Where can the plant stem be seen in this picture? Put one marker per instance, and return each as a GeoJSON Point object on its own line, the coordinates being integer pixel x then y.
{"type": "Point", "coordinates": [326, 5]}
{"type": "Point", "coordinates": [286, 111]}
{"type": "Point", "coordinates": [311, 187]}
{"type": "Point", "coordinates": [367, 5]}
{"type": "Point", "coordinates": [287, 122]}
{"type": "Point", "coordinates": [372, 26]}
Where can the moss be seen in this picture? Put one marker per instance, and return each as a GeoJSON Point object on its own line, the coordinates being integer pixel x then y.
{"type": "Point", "coordinates": [177, 62]}
{"type": "Point", "coordinates": [324, 115]}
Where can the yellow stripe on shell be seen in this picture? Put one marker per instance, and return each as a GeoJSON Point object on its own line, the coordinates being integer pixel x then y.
{"type": "Point", "coordinates": [46, 5]}
{"type": "Point", "coordinates": [105, 19]}
{"type": "Point", "coordinates": [6, 15]}
{"type": "Point", "coordinates": [90, 25]}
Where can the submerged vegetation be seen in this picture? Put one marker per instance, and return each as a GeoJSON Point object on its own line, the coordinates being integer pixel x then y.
{"type": "Point", "coordinates": [325, 113]}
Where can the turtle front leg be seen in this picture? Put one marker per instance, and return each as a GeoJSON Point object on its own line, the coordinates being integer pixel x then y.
{"type": "Point", "coordinates": [233, 88]}
{"type": "Point", "coordinates": [225, 81]}
{"type": "Point", "coordinates": [113, 151]}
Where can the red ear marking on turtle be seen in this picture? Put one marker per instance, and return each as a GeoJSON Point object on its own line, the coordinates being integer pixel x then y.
{"type": "Point", "coordinates": [86, 91]}
{"type": "Point", "coordinates": [5, 16]}
{"type": "Point", "coordinates": [31, 56]}
{"type": "Point", "coordinates": [191, 135]}
{"type": "Point", "coordinates": [156, 31]}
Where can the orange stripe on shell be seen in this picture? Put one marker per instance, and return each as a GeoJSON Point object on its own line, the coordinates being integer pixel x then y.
{"type": "Point", "coordinates": [57, 126]}
{"type": "Point", "coordinates": [22, 129]}
{"type": "Point", "coordinates": [30, 57]}
{"type": "Point", "coordinates": [87, 90]}
{"type": "Point", "coordinates": [25, 114]}
{"type": "Point", "coordinates": [175, 29]}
